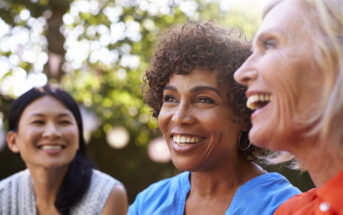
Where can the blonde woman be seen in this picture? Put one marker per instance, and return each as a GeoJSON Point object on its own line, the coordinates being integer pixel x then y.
{"type": "Point", "coordinates": [295, 87]}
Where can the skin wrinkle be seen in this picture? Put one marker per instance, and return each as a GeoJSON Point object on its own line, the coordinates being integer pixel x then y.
{"type": "Point", "coordinates": [288, 90]}
{"type": "Point", "coordinates": [310, 100]}
{"type": "Point", "coordinates": [185, 113]}
{"type": "Point", "coordinates": [189, 63]}
{"type": "Point", "coordinates": [179, 50]}
{"type": "Point", "coordinates": [303, 120]}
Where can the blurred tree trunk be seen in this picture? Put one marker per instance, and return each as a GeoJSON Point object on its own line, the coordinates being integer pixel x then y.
{"type": "Point", "coordinates": [56, 51]}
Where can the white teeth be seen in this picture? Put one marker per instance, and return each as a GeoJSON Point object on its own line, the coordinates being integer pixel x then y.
{"type": "Point", "coordinates": [51, 147]}
{"type": "Point", "coordinates": [252, 100]}
{"type": "Point", "coordinates": [185, 139]}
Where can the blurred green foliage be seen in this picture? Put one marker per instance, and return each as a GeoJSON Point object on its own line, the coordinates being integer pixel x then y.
{"type": "Point", "coordinates": [113, 91]}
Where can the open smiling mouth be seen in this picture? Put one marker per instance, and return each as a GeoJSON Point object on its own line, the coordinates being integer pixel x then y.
{"type": "Point", "coordinates": [258, 101]}
{"type": "Point", "coordinates": [51, 147]}
{"type": "Point", "coordinates": [181, 139]}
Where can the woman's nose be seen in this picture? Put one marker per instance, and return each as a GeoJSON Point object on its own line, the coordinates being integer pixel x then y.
{"type": "Point", "coordinates": [183, 115]}
{"type": "Point", "coordinates": [246, 73]}
{"type": "Point", "coordinates": [51, 130]}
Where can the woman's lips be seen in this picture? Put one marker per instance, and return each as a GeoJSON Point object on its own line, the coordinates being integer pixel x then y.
{"type": "Point", "coordinates": [51, 149]}
{"type": "Point", "coordinates": [185, 143]}
{"type": "Point", "coordinates": [258, 100]}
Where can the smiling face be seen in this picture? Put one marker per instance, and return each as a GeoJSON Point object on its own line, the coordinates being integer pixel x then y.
{"type": "Point", "coordinates": [282, 78]}
{"type": "Point", "coordinates": [196, 122]}
{"type": "Point", "coordinates": [47, 134]}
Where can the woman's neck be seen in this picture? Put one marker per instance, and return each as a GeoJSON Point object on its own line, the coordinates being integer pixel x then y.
{"type": "Point", "coordinates": [46, 183]}
{"type": "Point", "coordinates": [321, 159]}
{"type": "Point", "coordinates": [216, 188]}
{"type": "Point", "coordinates": [225, 179]}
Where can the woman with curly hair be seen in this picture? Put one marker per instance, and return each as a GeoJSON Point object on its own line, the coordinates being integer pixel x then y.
{"type": "Point", "coordinates": [202, 115]}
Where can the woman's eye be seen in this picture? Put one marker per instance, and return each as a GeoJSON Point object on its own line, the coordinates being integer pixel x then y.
{"type": "Point", "coordinates": [169, 98]}
{"type": "Point", "coordinates": [65, 122]}
{"type": "Point", "coordinates": [38, 122]}
{"type": "Point", "coordinates": [205, 100]}
{"type": "Point", "coordinates": [268, 44]}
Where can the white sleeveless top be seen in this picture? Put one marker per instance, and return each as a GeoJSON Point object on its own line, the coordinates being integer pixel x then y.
{"type": "Point", "coordinates": [17, 195]}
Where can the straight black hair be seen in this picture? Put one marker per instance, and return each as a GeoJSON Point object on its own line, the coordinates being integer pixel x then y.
{"type": "Point", "coordinates": [78, 177]}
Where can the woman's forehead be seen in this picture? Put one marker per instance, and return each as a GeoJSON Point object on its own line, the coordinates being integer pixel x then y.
{"type": "Point", "coordinates": [46, 104]}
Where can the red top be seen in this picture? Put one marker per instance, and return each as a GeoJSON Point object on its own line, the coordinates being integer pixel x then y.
{"type": "Point", "coordinates": [327, 200]}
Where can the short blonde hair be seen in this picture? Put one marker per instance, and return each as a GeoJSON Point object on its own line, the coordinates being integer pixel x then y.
{"type": "Point", "coordinates": [324, 19]}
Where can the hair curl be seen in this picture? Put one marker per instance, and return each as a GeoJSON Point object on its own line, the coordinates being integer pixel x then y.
{"type": "Point", "coordinates": [181, 49]}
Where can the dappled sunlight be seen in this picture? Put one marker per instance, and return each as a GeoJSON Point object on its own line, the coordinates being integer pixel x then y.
{"type": "Point", "coordinates": [24, 44]}
{"type": "Point", "coordinates": [19, 77]}
{"type": "Point", "coordinates": [97, 42]}
{"type": "Point", "coordinates": [4, 28]}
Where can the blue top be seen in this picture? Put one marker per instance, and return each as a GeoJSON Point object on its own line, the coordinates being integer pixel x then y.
{"type": "Point", "coordinates": [260, 195]}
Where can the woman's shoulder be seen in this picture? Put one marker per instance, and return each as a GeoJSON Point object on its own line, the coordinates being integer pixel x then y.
{"type": "Point", "coordinates": [272, 185]}
{"type": "Point", "coordinates": [102, 184]}
{"type": "Point", "coordinates": [302, 203]}
{"type": "Point", "coordinates": [101, 177]}
{"type": "Point", "coordinates": [100, 188]}
{"type": "Point", "coordinates": [326, 199]}
{"type": "Point", "coordinates": [166, 185]}
{"type": "Point", "coordinates": [262, 194]}
{"type": "Point", "coordinates": [270, 181]}
{"type": "Point", "coordinates": [162, 195]}
{"type": "Point", "coordinates": [16, 194]}
{"type": "Point", "coordinates": [16, 178]}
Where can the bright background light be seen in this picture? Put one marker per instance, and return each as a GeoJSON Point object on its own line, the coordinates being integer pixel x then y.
{"type": "Point", "coordinates": [118, 137]}
{"type": "Point", "coordinates": [158, 150]}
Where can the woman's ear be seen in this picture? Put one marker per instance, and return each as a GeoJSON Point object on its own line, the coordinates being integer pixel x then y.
{"type": "Point", "coordinates": [12, 141]}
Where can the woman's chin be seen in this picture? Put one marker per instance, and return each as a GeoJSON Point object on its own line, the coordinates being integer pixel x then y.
{"type": "Point", "coordinates": [262, 138]}
{"type": "Point", "coordinates": [185, 165]}
{"type": "Point", "coordinates": [181, 166]}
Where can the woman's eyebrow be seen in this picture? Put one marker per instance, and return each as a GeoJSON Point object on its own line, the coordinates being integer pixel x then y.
{"type": "Point", "coordinates": [42, 115]}
{"type": "Point", "coordinates": [64, 115]}
{"type": "Point", "coordinates": [205, 88]}
{"type": "Point", "coordinates": [168, 87]}
{"type": "Point", "coordinates": [36, 115]}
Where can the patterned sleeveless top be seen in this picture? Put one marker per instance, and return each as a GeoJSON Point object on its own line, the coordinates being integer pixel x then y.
{"type": "Point", "coordinates": [17, 195]}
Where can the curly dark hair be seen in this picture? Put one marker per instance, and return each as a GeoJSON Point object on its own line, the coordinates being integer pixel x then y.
{"type": "Point", "coordinates": [181, 49]}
